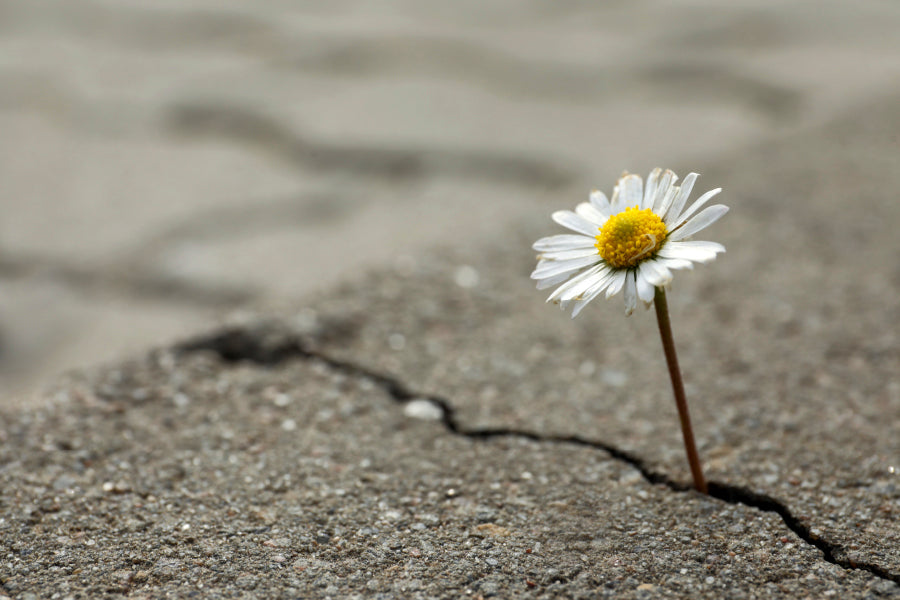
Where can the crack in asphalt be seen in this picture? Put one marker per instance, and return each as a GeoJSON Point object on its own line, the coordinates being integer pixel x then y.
{"type": "Point", "coordinates": [240, 344]}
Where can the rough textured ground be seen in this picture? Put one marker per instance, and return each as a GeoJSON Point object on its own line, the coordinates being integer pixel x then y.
{"type": "Point", "coordinates": [183, 475]}
{"type": "Point", "coordinates": [429, 428]}
{"type": "Point", "coordinates": [787, 342]}
{"type": "Point", "coordinates": [435, 430]}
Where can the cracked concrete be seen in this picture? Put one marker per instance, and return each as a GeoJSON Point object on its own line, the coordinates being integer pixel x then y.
{"type": "Point", "coordinates": [375, 207]}
{"type": "Point", "coordinates": [305, 479]}
{"type": "Point", "coordinates": [270, 345]}
{"type": "Point", "coordinates": [797, 394]}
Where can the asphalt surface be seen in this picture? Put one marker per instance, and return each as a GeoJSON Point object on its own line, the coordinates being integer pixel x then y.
{"type": "Point", "coordinates": [438, 431]}
{"type": "Point", "coordinates": [420, 424]}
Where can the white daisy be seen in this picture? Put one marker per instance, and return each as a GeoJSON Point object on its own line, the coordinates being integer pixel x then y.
{"type": "Point", "coordinates": [632, 243]}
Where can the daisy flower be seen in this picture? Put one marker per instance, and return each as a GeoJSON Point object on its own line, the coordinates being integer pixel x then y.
{"type": "Point", "coordinates": [631, 243]}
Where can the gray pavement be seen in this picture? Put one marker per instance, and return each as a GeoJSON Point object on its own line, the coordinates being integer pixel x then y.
{"type": "Point", "coordinates": [387, 408]}
{"type": "Point", "coordinates": [179, 476]}
{"type": "Point", "coordinates": [787, 341]}
{"type": "Point", "coordinates": [436, 430]}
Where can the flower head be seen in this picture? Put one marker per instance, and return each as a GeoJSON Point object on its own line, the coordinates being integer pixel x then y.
{"type": "Point", "coordinates": [631, 243]}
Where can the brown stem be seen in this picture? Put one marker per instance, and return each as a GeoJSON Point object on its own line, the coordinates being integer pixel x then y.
{"type": "Point", "coordinates": [665, 331]}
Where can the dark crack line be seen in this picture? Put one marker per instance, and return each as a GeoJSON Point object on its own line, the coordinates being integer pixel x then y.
{"type": "Point", "coordinates": [239, 345]}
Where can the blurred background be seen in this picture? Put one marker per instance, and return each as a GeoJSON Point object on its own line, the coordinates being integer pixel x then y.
{"type": "Point", "coordinates": [166, 164]}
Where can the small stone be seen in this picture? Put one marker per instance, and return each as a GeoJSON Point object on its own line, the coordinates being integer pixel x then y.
{"type": "Point", "coordinates": [485, 514]}
{"type": "Point", "coordinates": [423, 409]}
{"type": "Point", "coordinates": [886, 588]}
{"type": "Point", "coordinates": [492, 530]}
{"type": "Point", "coordinates": [392, 515]}
{"type": "Point", "coordinates": [116, 487]}
{"type": "Point", "coordinates": [489, 588]}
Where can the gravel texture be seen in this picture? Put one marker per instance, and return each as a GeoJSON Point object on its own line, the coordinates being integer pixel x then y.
{"type": "Point", "coordinates": [183, 475]}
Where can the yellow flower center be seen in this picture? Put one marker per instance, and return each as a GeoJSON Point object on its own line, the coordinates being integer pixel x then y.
{"type": "Point", "coordinates": [630, 237]}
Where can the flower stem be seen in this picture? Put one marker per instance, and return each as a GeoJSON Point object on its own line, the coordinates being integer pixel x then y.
{"type": "Point", "coordinates": [665, 331]}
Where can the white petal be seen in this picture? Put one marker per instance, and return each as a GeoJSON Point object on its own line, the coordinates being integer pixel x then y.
{"type": "Point", "coordinates": [707, 217]}
{"type": "Point", "coordinates": [630, 193]}
{"type": "Point", "coordinates": [696, 251]}
{"type": "Point", "coordinates": [598, 199]}
{"type": "Point", "coordinates": [674, 209]}
{"type": "Point", "coordinates": [616, 283]}
{"type": "Point", "coordinates": [552, 268]}
{"type": "Point", "coordinates": [588, 294]}
{"type": "Point", "coordinates": [567, 218]}
{"type": "Point", "coordinates": [664, 200]}
{"type": "Point", "coordinates": [563, 242]}
{"type": "Point", "coordinates": [590, 213]}
{"type": "Point", "coordinates": [677, 220]}
{"type": "Point", "coordinates": [655, 272]}
{"type": "Point", "coordinates": [568, 254]}
{"type": "Point", "coordinates": [614, 200]}
{"type": "Point", "coordinates": [593, 292]}
{"type": "Point", "coordinates": [578, 284]}
{"type": "Point", "coordinates": [630, 293]}
{"type": "Point", "coordinates": [665, 185]}
{"type": "Point", "coordinates": [549, 282]}
{"type": "Point", "coordinates": [711, 246]}
{"type": "Point", "coordinates": [675, 263]}
{"type": "Point", "coordinates": [651, 187]}
{"type": "Point", "coordinates": [580, 305]}
{"type": "Point", "coordinates": [645, 289]}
